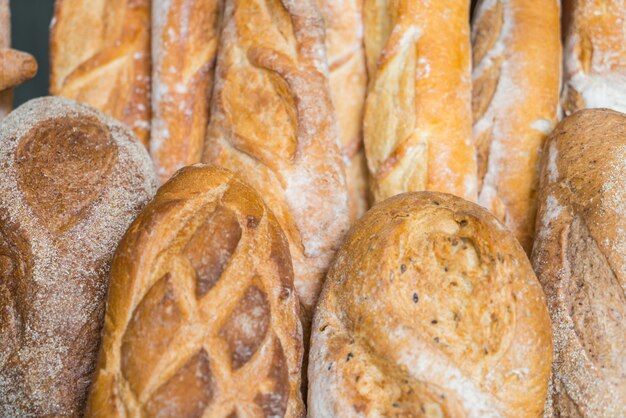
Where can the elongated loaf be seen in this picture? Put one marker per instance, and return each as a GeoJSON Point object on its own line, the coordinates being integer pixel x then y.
{"type": "Point", "coordinates": [272, 121]}
{"type": "Point", "coordinates": [580, 259]}
{"type": "Point", "coordinates": [71, 181]}
{"type": "Point", "coordinates": [184, 45]}
{"type": "Point", "coordinates": [595, 55]}
{"type": "Point", "coordinates": [418, 117]}
{"type": "Point", "coordinates": [517, 71]}
{"type": "Point", "coordinates": [100, 56]}
{"type": "Point", "coordinates": [348, 86]}
{"type": "Point", "coordinates": [430, 309]}
{"type": "Point", "coordinates": [202, 317]}
{"type": "Point", "coordinates": [15, 67]}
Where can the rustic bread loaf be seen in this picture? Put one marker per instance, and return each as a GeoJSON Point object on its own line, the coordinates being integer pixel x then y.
{"type": "Point", "coordinates": [595, 55]}
{"type": "Point", "coordinates": [202, 317]}
{"type": "Point", "coordinates": [348, 85]}
{"type": "Point", "coordinates": [431, 309]}
{"type": "Point", "coordinates": [517, 72]}
{"type": "Point", "coordinates": [272, 121]}
{"type": "Point", "coordinates": [418, 116]}
{"type": "Point", "coordinates": [579, 256]}
{"type": "Point", "coordinates": [184, 45]}
{"type": "Point", "coordinates": [100, 56]}
{"type": "Point", "coordinates": [71, 181]}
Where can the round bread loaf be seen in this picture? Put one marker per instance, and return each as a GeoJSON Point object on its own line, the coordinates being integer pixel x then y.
{"type": "Point", "coordinates": [579, 256]}
{"type": "Point", "coordinates": [202, 317]}
{"type": "Point", "coordinates": [71, 182]}
{"type": "Point", "coordinates": [430, 309]}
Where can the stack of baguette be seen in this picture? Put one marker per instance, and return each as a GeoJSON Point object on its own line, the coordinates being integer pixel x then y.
{"type": "Point", "coordinates": [487, 280]}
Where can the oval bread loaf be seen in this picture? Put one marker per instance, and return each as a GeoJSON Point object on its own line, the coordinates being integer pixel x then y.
{"type": "Point", "coordinates": [202, 318]}
{"type": "Point", "coordinates": [430, 309]}
{"type": "Point", "coordinates": [71, 182]}
{"type": "Point", "coordinates": [579, 256]}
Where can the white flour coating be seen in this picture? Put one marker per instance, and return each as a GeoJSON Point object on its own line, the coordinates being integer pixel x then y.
{"type": "Point", "coordinates": [553, 169]}
{"type": "Point", "coordinates": [60, 305]}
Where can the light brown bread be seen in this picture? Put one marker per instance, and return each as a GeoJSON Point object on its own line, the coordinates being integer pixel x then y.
{"type": "Point", "coordinates": [273, 123]}
{"type": "Point", "coordinates": [579, 256]}
{"type": "Point", "coordinates": [15, 66]}
{"type": "Point", "coordinates": [184, 45]}
{"type": "Point", "coordinates": [202, 316]}
{"type": "Point", "coordinates": [517, 71]}
{"type": "Point", "coordinates": [418, 117]}
{"type": "Point", "coordinates": [348, 86]}
{"type": "Point", "coordinates": [100, 56]}
{"type": "Point", "coordinates": [430, 309]}
{"type": "Point", "coordinates": [71, 181]}
{"type": "Point", "coordinates": [595, 55]}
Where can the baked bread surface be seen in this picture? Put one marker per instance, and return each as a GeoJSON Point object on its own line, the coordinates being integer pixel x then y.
{"type": "Point", "coordinates": [430, 309]}
{"type": "Point", "coordinates": [580, 259]}
{"type": "Point", "coordinates": [71, 182]}
{"type": "Point", "coordinates": [202, 317]}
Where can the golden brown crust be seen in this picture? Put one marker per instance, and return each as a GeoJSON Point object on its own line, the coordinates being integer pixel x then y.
{"type": "Point", "coordinates": [517, 65]}
{"type": "Point", "coordinates": [100, 56]}
{"type": "Point", "coordinates": [348, 86]}
{"type": "Point", "coordinates": [595, 55]}
{"type": "Point", "coordinates": [430, 309]}
{"type": "Point", "coordinates": [580, 259]}
{"type": "Point", "coordinates": [273, 123]}
{"type": "Point", "coordinates": [71, 181]}
{"type": "Point", "coordinates": [202, 317]}
{"type": "Point", "coordinates": [184, 45]}
{"type": "Point", "coordinates": [418, 120]}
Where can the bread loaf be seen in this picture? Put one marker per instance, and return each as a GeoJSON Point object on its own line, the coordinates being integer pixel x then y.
{"type": "Point", "coordinates": [184, 45]}
{"type": "Point", "coordinates": [71, 181]}
{"type": "Point", "coordinates": [202, 317]}
{"type": "Point", "coordinates": [517, 71]}
{"type": "Point", "coordinates": [100, 56]}
{"type": "Point", "coordinates": [430, 308]}
{"type": "Point", "coordinates": [580, 259]}
{"type": "Point", "coordinates": [272, 121]}
{"type": "Point", "coordinates": [15, 67]}
{"type": "Point", "coordinates": [348, 85]}
{"type": "Point", "coordinates": [595, 55]}
{"type": "Point", "coordinates": [418, 118]}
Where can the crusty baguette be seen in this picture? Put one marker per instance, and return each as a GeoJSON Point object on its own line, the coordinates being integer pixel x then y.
{"type": "Point", "coordinates": [184, 45]}
{"type": "Point", "coordinates": [517, 70]}
{"type": "Point", "coordinates": [202, 317]}
{"type": "Point", "coordinates": [6, 97]}
{"type": "Point", "coordinates": [100, 56]}
{"type": "Point", "coordinates": [579, 256]}
{"type": "Point", "coordinates": [430, 309]}
{"type": "Point", "coordinates": [418, 121]}
{"type": "Point", "coordinates": [348, 86]}
{"type": "Point", "coordinates": [595, 55]}
{"type": "Point", "coordinates": [272, 121]}
{"type": "Point", "coordinates": [71, 181]}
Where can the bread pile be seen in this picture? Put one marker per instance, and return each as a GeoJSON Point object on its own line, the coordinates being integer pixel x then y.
{"type": "Point", "coordinates": [487, 280]}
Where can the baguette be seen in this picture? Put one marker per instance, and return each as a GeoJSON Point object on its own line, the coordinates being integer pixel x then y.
{"type": "Point", "coordinates": [272, 122]}
{"type": "Point", "coordinates": [100, 56]}
{"type": "Point", "coordinates": [202, 317]}
{"type": "Point", "coordinates": [184, 45]}
{"type": "Point", "coordinates": [348, 86]}
{"type": "Point", "coordinates": [418, 118]}
{"type": "Point", "coordinates": [431, 309]}
{"type": "Point", "coordinates": [595, 55]}
{"type": "Point", "coordinates": [579, 256]}
{"type": "Point", "coordinates": [71, 181]}
{"type": "Point", "coordinates": [517, 70]}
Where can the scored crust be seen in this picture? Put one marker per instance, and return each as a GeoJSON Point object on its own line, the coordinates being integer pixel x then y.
{"type": "Point", "coordinates": [580, 259]}
{"type": "Point", "coordinates": [71, 181]}
{"type": "Point", "coordinates": [202, 318]}
{"type": "Point", "coordinates": [430, 308]}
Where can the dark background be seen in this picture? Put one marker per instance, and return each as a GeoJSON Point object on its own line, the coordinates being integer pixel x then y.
{"type": "Point", "coordinates": [30, 21]}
